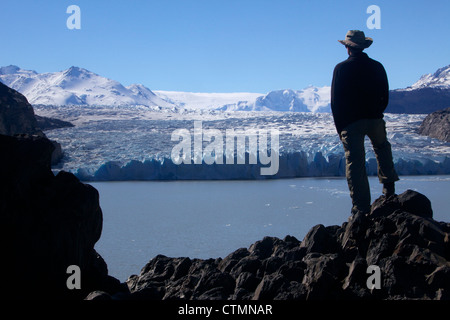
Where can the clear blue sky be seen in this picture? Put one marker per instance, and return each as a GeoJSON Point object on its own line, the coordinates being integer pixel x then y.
{"type": "Point", "coordinates": [222, 46]}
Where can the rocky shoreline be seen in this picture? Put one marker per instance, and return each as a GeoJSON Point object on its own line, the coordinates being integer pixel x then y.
{"type": "Point", "coordinates": [399, 236]}
{"type": "Point", "coordinates": [52, 222]}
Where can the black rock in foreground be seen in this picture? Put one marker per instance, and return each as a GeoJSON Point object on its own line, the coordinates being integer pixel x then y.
{"type": "Point", "coordinates": [17, 117]}
{"type": "Point", "coordinates": [48, 224]}
{"type": "Point", "coordinates": [400, 237]}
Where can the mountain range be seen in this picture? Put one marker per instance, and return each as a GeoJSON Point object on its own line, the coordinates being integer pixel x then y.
{"type": "Point", "coordinates": [430, 93]}
{"type": "Point", "coordinates": [78, 86]}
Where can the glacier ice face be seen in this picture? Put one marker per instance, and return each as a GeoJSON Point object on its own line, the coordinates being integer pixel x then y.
{"type": "Point", "coordinates": [134, 143]}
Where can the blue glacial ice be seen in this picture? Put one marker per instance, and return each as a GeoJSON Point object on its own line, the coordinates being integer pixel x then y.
{"type": "Point", "coordinates": [113, 144]}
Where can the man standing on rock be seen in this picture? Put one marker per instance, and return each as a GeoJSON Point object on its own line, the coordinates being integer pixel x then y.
{"type": "Point", "coordinates": [359, 96]}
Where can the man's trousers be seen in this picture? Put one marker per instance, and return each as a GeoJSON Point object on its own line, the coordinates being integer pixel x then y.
{"type": "Point", "coordinates": [352, 138]}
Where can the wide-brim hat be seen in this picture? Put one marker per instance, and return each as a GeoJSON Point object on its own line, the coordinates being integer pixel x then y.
{"type": "Point", "coordinates": [356, 39]}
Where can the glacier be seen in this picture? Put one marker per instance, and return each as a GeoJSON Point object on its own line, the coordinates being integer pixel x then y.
{"type": "Point", "coordinates": [120, 143]}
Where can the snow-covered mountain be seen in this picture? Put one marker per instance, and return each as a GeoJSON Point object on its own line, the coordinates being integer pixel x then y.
{"type": "Point", "coordinates": [311, 99]}
{"type": "Point", "coordinates": [430, 93]}
{"type": "Point", "coordinates": [199, 100]}
{"type": "Point", "coordinates": [440, 80]}
{"type": "Point", "coordinates": [77, 86]}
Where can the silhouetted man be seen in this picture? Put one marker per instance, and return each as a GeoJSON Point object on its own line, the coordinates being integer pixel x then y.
{"type": "Point", "coordinates": [359, 96]}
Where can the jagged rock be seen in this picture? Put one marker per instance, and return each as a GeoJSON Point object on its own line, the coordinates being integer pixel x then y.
{"type": "Point", "coordinates": [48, 224]}
{"type": "Point", "coordinates": [319, 239]}
{"type": "Point", "coordinates": [322, 275]}
{"type": "Point", "coordinates": [57, 154]}
{"type": "Point", "coordinates": [437, 125]}
{"type": "Point", "coordinates": [264, 248]}
{"type": "Point", "coordinates": [269, 287]}
{"type": "Point", "coordinates": [247, 281]}
{"type": "Point", "coordinates": [232, 259]}
{"type": "Point", "coordinates": [399, 236]}
{"type": "Point", "coordinates": [17, 117]}
{"type": "Point", "coordinates": [410, 201]}
{"type": "Point", "coordinates": [356, 277]}
{"type": "Point", "coordinates": [45, 123]}
{"type": "Point", "coordinates": [98, 295]}
{"type": "Point", "coordinates": [16, 114]}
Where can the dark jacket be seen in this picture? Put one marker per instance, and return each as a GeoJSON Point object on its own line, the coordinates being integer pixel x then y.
{"type": "Point", "coordinates": [359, 90]}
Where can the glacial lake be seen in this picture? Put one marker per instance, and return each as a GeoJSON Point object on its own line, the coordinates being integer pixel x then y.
{"type": "Point", "coordinates": [210, 219]}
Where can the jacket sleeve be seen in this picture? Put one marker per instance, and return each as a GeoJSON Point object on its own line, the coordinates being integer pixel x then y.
{"type": "Point", "coordinates": [384, 88]}
{"type": "Point", "coordinates": [336, 98]}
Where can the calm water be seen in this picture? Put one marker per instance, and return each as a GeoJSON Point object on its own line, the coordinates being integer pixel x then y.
{"type": "Point", "coordinates": [210, 219]}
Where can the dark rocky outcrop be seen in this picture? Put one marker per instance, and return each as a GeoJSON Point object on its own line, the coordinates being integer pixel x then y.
{"type": "Point", "coordinates": [48, 223]}
{"type": "Point", "coordinates": [437, 125]}
{"type": "Point", "coordinates": [17, 117]}
{"type": "Point", "coordinates": [399, 236]}
{"type": "Point", "coordinates": [46, 123]}
{"type": "Point", "coordinates": [16, 114]}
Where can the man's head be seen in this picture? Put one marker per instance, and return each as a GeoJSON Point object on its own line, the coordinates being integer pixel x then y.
{"type": "Point", "coordinates": [352, 51]}
{"type": "Point", "coordinates": [356, 41]}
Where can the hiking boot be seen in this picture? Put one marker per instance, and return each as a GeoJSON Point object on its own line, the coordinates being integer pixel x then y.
{"type": "Point", "coordinates": [389, 189]}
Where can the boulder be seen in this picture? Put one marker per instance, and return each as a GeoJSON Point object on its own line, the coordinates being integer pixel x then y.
{"type": "Point", "coordinates": [437, 125]}
{"type": "Point", "coordinates": [48, 224]}
{"type": "Point", "coordinates": [410, 201]}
